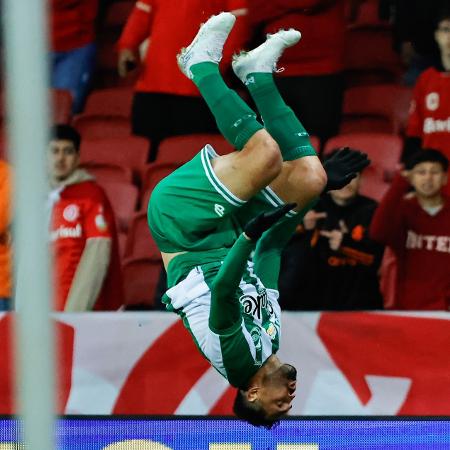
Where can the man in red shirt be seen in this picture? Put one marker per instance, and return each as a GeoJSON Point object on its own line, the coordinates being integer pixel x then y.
{"type": "Point", "coordinates": [429, 118]}
{"type": "Point", "coordinates": [165, 102]}
{"type": "Point", "coordinates": [417, 228]}
{"type": "Point", "coordinates": [73, 47]}
{"type": "Point", "coordinates": [87, 271]}
{"type": "Point", "coordinates": [311, 82]}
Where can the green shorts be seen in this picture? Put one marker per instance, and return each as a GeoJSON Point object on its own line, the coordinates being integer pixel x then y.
{"type": "Point", "coordinates": [192, 210]}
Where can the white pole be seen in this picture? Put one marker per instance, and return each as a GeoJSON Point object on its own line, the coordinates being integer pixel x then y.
{"type": "Point", "coordinates": [26, 71]}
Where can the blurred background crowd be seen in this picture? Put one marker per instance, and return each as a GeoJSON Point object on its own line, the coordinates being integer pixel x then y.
{"type": "Point", "coordinates": [373, 75]}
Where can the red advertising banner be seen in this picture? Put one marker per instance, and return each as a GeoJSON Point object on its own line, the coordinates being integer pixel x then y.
{"type": "Point", "coordinates": [146, 363]}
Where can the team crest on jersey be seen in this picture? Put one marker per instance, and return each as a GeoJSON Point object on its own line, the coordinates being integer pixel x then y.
{"type": "Point", "coordinates": [271, 331]}
{"type": "Point", "coordinates": [71, 213]}
{"type": "Point", "coordinates": [432, 101]}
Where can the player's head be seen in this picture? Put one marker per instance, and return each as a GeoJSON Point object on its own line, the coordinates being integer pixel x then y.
{"type": "Point", "coordinates": [346, 194]}
{"type": "Point", "coordinates": [267, 398]}
{"type": "Point", "coordinates": [442, 31]}
{"type": "Point", "coordinates": [64, 151]}
{"type": "Point", "coordinates": [427, 172]}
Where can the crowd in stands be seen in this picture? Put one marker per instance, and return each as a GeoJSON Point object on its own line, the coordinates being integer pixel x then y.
{"type": "Point", "coordinates": [373, 75]}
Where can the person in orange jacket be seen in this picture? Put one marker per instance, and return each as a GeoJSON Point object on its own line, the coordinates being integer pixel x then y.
{"type": "Point", "coordinates": [5, 237]}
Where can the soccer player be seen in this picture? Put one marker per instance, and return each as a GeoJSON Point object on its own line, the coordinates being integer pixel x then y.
{"type": "Point", "coordinates": [197, 215]}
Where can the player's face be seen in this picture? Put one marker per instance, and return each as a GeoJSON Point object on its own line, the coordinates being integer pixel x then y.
{"type": "Point", "coordinates": [278, 391]}
{"type": "Point", "coordinates": [63, 159]}
{"type": "Point", "coordinates": [428, 178]}
{"type": "Point", "coordinates": [347, 192]}
{"type": "Point", "coordinates": [442, 36]}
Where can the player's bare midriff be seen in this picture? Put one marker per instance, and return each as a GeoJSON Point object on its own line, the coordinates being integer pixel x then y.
{"type": "Point", "coordinates": [167, 257]}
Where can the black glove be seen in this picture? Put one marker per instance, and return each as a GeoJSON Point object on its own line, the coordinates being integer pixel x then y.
{"type": "Point", "coordinates": [343, 166]}
{"type": "Point", "coordinates": [262, 222]}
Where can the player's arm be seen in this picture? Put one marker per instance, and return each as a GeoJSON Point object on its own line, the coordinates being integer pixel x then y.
{"type": "Point", "coordinates": [225, 309]}
{"type": "Point", "coordinates": [94, 262]}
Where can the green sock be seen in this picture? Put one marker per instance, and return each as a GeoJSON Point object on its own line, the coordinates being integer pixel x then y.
{"type": "Point", "coordinates": [279, 120]}
{"type": "Point", "coordinates": [235, 120]}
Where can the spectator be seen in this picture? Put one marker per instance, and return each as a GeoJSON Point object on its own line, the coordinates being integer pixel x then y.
{"type": "Point", "coordinates": [165, 102]}
{"type": "Point", "coordinates": [413, 28]}
{"type": "Point", "coordinates": [73, 47]}
{"type": "Point", "coordinates": [429, 119]}
{"type": "Point", "coordinates": [416, 227]}
{"type": "Point", "coordinates": [87, 271]}
{"type": "Point", "coordinates": [332, 263]}
{"type": "Point", "coordinates": [5, 237]}
{"type": "Point", "coordinates": [312, 82]}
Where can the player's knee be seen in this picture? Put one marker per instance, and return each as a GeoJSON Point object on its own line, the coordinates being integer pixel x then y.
{"type": "Point", "coordinates": [317, 179]}
{"type": "Point", "coordinates": [266, 154]}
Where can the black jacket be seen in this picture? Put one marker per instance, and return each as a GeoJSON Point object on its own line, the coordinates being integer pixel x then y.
{"type": "Point", "coordinates": [314, 277]}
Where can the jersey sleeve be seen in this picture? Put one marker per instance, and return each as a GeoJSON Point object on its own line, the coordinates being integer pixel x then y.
{"type": "Point", "coordinates": [415, 118]}
{"type": "Point", "coordinates": [98, 220]}
{"type": "Point", "coordinates": [138, 25]}
{"type": "Point", "coordinates": [225, 313]}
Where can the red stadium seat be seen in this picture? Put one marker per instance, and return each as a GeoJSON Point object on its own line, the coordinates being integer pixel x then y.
{"type": "Point", "coordinates": [377, 108]}
{"type": "Point", "coordinates": [123, 198]}
{"type": "Point", "coordinates": [152, 175]}
{"type": "Point", "coordinates": [62, 105]}
{"type": "Point", "coordinates": [110, 102]}
{"type": "Point", "coordinates": [103, 172]}
{"type": "Point", "coordinates": [60, 102]}
{"type": "Point", "coordinates": [384, 150]}
{"type": "Point", "coordinates": [140, 242]}
{"type": "Point", "coordinates": [97, 127]}
{"type": "Point", "coordinates": [180, 149]}
{"type": "Point", "coordinates": [373, 184]}
{"type": "Point", "coordinates": [369, 57]}
{"type": "Point", "coordinates": [126, 151]}
{"type": "Point", "coordinates": [141, 277]}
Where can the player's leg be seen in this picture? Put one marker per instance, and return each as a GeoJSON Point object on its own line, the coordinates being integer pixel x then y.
{"type": "Point", "coordinates": [302, 178]}
{"type": "Point", "coordinates": [259, 161]}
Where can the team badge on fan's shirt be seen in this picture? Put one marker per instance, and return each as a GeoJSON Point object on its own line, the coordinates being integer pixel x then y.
{"type": "Point", "coordinates": [271, 331]}
{"type": "Point", "coordinates": [432, 101]}
{"type": "Point", "coordinates": [100, 222]}
{"type": "Point", "coordinates": [71, 213]}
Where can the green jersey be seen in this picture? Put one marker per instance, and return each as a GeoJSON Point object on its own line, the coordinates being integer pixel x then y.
{"type": "Point", "coordinates": [233, 318]}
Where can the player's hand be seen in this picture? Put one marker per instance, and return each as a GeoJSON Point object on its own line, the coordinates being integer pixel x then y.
{"type": "Point", "coordinates": [126, 62]}
{"type": "Point", "coordinates": [256, 227]}
{"type": "Point", "coordinates": [343, 166]}
{"type": "Point", "coordinates": [311, 218]}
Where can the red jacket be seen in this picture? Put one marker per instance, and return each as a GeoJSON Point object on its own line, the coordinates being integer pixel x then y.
{"type": "Point", "coordinates": [321, 48]}
{"type": "Point", "coordinates": [170, 27]}
{"type": "Point", "coordinates": [72, 23]}
{"type": "Point", "coordinates": [421, 243]}
{"type": "Point", "coordinates": [81, 212]}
